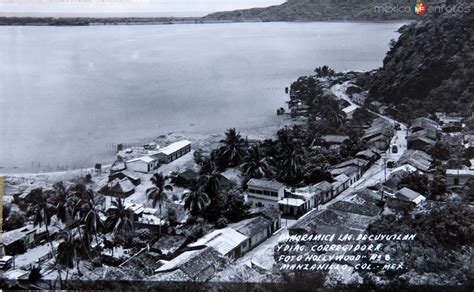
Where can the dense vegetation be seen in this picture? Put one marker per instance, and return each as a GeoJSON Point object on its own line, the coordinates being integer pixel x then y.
{"type": "Point", "coordinates": [439, 255]}
{"type": "Point", "coordinates": [429, 69]}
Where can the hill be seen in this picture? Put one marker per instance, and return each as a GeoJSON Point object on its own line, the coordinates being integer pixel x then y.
{"type": "Point", "coordinates": [429, 68]}
{"type": "Point", "coordinates": [319, 10]}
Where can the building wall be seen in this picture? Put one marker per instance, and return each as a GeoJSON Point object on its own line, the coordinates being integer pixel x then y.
{"type": "Point", "coordinates": [140, 166]}
{"type": "Point", "coordinates": [453, 180]}
{"type": "Point", "coordinates": [267, 203]}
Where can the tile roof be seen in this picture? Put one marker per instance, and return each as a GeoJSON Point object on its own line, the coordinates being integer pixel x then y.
{"type": "Point", "coordinates": [362, 209]}
{"type": "Point", "coordinates": [252, 226]}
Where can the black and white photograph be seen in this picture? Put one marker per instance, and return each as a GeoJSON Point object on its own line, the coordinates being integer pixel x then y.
{"type": "Point", "coordinates": [237, 145]}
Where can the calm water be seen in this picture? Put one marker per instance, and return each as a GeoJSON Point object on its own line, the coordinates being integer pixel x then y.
{"type": "Point", "coordinates": [67, 92]}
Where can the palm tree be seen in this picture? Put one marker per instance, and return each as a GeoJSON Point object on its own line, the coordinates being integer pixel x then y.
{"type": "Point", "coordinates": [331, 112]}
{"type": "Point", "coordinates": [255, 165]}
{"type": "Point", "coordinates": [210, 177]}
{"type": "Point", "coordinates": [233, 150]}
{"type": "Point", "coordinates": [119, 221]}
{"type": "Point", "coordinates": [157, 192]}
{"type": "Point", "coordinates": [68, 252]}
{"type": "Point", "coordinates": [89, 212]}
{"type": "Point", "coordinates": [197, 200]}
{"type": "Point", "coordinates": [291, 166]}
{"type": "Point", "coordinates": [43, 211]}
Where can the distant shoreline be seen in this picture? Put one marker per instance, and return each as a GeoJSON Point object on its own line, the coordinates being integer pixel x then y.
{"type": "Point", "coordinates": [91, 21]}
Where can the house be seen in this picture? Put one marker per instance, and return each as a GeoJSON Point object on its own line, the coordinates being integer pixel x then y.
{"type": "Point", "coordinates": [379, 127]}
{"type": "Point", "coordinates": [458, 177]}
{"type": "Point", "coordinates": [454, 140]}
{"type": "Point", "coordinates": [324, 191]}
{"type": "Point", "coordinates": [333, 141]}
{"type": "Point", "coordinates": [349, 111]}
{"type": "Point", "coordinates": [173, 151]}
{"type": "Point", "coordinates": [185, 178]}
{"type": "Point", "coordinates": [370, 155]}
{"type": "Point", "coordinates": [227, 242]}
{"type": "Point", "coordinates": [264, 193]}
{"type": "Point", "coordinates": [271, 214]}
{"type": "Point", "coordinates": [256, 229]}
{"type": "Point", "coordinates": [408, 194]}
{"type": "Point", "coordinates": [361, 209]}
{"type": "Point", "coordinates": [124, 174]}
{"type": "Point", "coordinates": [450, 123]}
{"type": "Point", "coordinates": [16, 240]}
{"type": "Point", "coordinates": [422, 139]}
{"type": "Point", "coordinates": [340, 184]}
{"type": "Point", "coordinates": [292, 207]}
{"type": "Point", "coordinates": [118, 188]}
{"type": "Point", "coordinates": [353, 172]}
{"type": "Point", "coordinates": [423, 123]}
{"type": "Point", "coordinates": [194, 265]}
{"type": "Point", "coordinates": [405, 199]}
{"type": "Point", "coordinates": [329, 221]}
{"type": "Point", "coordinates": [168, 244]}
{"type": "Point", "coordinates": [360, 163]}
{"type": "Point", "coordinates": [380, 142]}
{"type": "Point", "coordinates": [118, 165]}
{"type": "Point", "coordinates": [143, 164]}
{"type": "Point", "coordinates": [416, 158]}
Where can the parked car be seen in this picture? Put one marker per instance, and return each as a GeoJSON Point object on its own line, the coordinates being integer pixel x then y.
{"type": "Point", "coordinates": [391, 164]}
{"type": "Point", "coordinates": [6, 262]}
{"type": "Point", "coordinates": [394, 149]}
{"type": "Point", "coordinates": [397, 127]}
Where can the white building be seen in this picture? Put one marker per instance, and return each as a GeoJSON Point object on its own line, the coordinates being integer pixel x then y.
{"type": "Point", "coordinates": [173, 151]}
{"type": "Point", "coordinates": [265, 193]}
{"type": "Point", "coordinates": [143, 164]}
{"type": "Point", "coordinates": [458, 177]}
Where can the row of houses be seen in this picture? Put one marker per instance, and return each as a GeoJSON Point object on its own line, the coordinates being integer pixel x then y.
{"type": "Point", "coordinates": [202, 259]}
{"type": "Point", "coordinates": [380, 134]}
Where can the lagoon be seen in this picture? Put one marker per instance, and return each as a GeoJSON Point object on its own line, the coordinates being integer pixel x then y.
{"type": "Point", "coordinates": [68, 93]}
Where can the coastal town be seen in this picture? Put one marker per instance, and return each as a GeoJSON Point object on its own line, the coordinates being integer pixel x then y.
{"type": "Point", "coordinates": [177, 212]}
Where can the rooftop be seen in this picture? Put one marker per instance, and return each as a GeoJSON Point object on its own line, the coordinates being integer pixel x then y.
{"type": "Point", "coordinates": [416, 158]}
{"type": "Point", "coordinates": [356, 162]}
{"type": "Point", "coordinates": [222, 240]}
{"type": "Point", "coordinates": [268, 184]}
{"type": "Point", "coordinates": [12, 236]}
{"type": "Point", "coordinates": [291, 202]}
{"type": "Point", "coordinates": [323, 186]}
{"type": "Point", "coordinates": [463, 172]}
{"type": "Point", "coordinates": [408, 195]}
{"type": "Point", "coordinates": [252, 226]}
{"type": "Point", "coordinates": [170, 149]}
{"type": "Point", "coordinates": [424, 123]}
{"type": "Point", "coordinates": [146, 159]}
{"type": "Point", "coordinates": [335, 138]}
{"type": "Point", "coordinates": [362, 209]}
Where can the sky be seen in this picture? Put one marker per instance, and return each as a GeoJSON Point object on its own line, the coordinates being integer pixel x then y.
{"type": "Point", "coordinates": [125, 7]}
